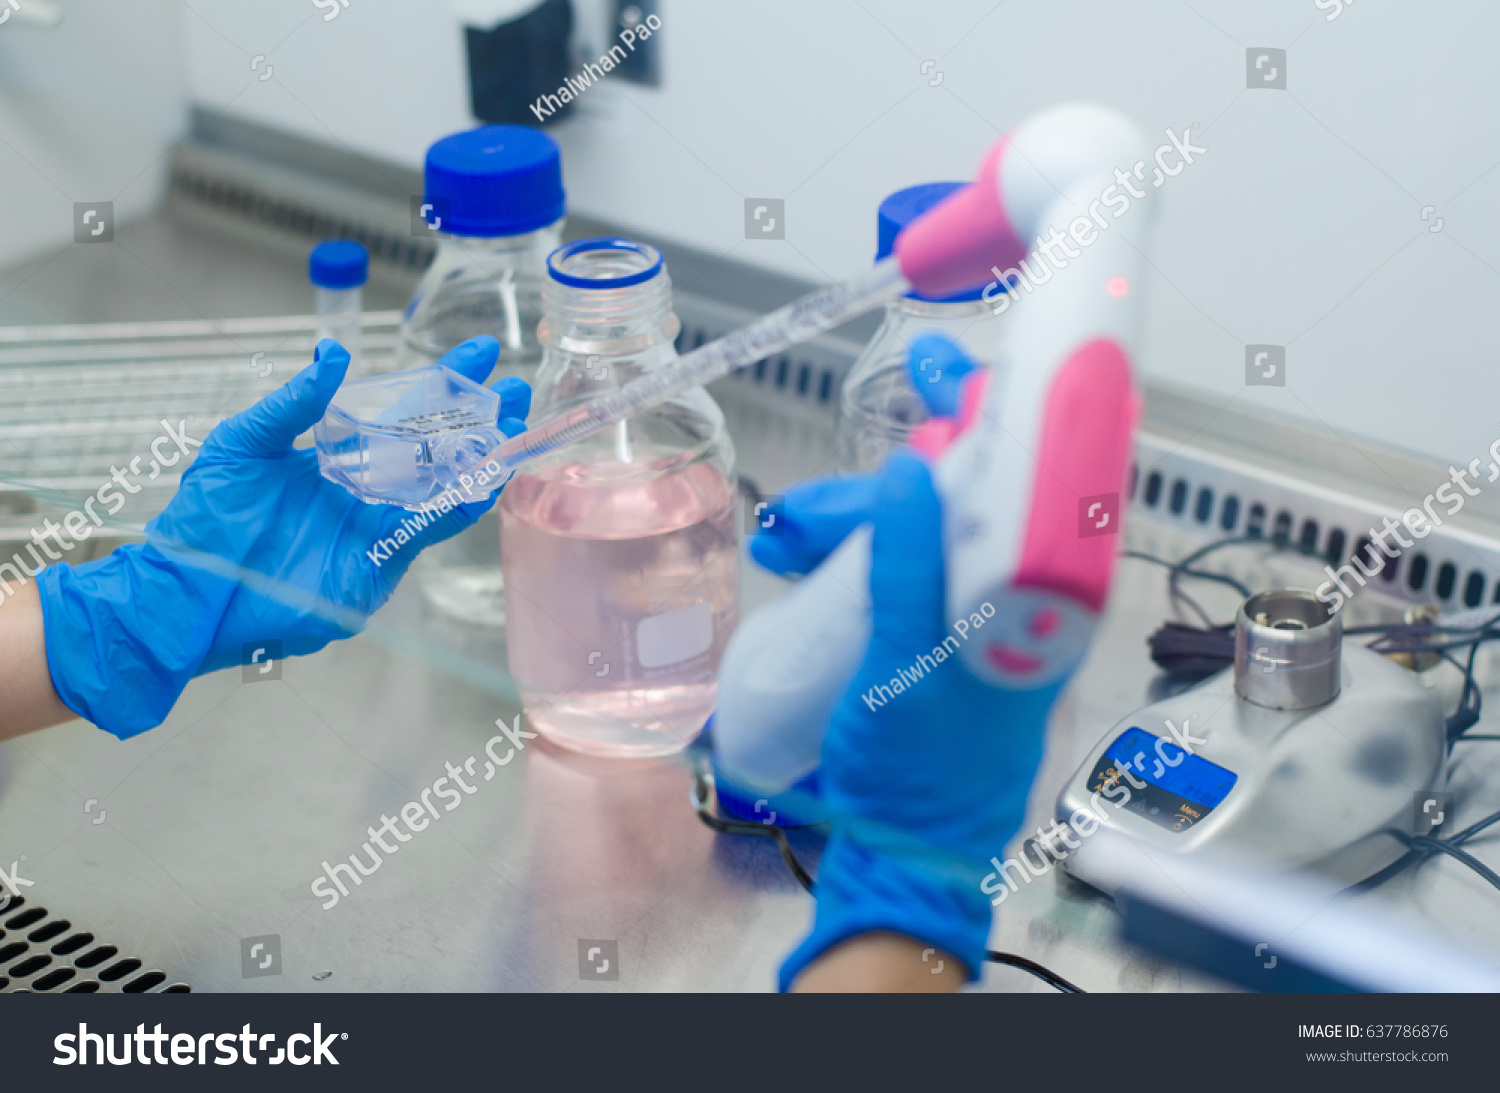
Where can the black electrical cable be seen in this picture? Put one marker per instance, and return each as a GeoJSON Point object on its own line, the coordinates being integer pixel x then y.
{"type": "Point", "coordinates": [1422, 847]}
{"type": "Point", "coordinates": [1217, 578]}
{"type": "Point", "coordinates": [770, 831]}
{"type": "Point", "coordinates": [1420, 851]}
{"type": "Point", "coordinates": [1229, 540]}
{"type": "Point", "coordinates": [1438, 846]}
{"type": "Point", "coordinates": [804, 878]}
{"type": "Point", "coordinates": [1178, 570]}
{"type": "Point", "coordinates": [1046, 975]}
{"type": "Point", "coordinates": [1184, 567]}
{"type": "Point", "coordinates": [1466, 714]}
{"type": "Point", "coordinates": [1199, 574]}
{"type": "Point", "coordinates": [1190, 652]}
{"type": "Point", "coordinates": [1475, 828]}
{"type": "Point", "coordinates": [1412, 638]}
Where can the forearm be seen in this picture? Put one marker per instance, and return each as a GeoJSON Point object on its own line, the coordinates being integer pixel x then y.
{"type": "Point", "coordinates": [881, 962]}
{"type": "Point", "coordinates": [27, 699]}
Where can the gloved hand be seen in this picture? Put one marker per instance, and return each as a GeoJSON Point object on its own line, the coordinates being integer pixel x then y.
{"type": "Point", "coordinates": [924, 786]}
{"type": "Point", "coordinates": [814, 518]}
{"type": "Point", "coordinates": [817, 515]}
{"type": "Point", "coordinates": [255, 545]}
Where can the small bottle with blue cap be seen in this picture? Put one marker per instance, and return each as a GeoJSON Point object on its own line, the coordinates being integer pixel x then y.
{"type": "Point", "coordinates": [879, 407]}
{"type": "Point", "coordinates": [338, 270]}
{"type": "Point", "coordinates": [493, 198]}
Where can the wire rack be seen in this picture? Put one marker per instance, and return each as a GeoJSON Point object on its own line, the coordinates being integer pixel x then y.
{"type": "Point", "coordinates": [78, 403]}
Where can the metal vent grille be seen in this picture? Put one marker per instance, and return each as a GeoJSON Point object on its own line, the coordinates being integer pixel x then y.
{"type": "Point", "coordinates": [281, 190]}
{"type": "Point", "coordinates": [304, 221]}
{"type": "Point", "coordinates": [807, 377]}
{"type": "Point", "coordinates": [1213, 495]}
{"type": "Point", "coordinates": [44, 953]}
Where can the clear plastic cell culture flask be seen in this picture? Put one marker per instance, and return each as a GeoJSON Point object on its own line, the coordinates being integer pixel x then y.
{"type": "Point", "coordinates": [401, 439]}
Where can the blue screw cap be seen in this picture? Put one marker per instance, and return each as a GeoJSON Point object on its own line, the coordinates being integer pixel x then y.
{"type": "Point", "coordinates": [341, 263]}
{"type": "Point", "coordinates": [899, 210]}
{"type": "Point", "coordinates": [495, 180]}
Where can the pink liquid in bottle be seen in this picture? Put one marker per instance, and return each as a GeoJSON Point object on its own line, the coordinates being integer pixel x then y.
{"type": "Point", "coordinates": [622, 589]}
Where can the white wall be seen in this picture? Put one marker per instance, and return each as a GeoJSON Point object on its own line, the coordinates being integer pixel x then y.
{"type": "Point", "coordinates": [1300, 227]}
{"type": "Point", "coordinates": [88, 111]}
{"type": "Point", "coordinates": [384, 76]}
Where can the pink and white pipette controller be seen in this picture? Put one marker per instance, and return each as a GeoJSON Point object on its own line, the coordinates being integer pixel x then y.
{"type": "Point", "coordinates": [1031, 472]}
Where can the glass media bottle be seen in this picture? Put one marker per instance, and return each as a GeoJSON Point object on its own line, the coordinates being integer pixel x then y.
{"type": "Point", "coordinates": [621, 551]}
{"type": "Point", "coordinates": [494, 201]}
{"type": "Point", "coordinates": [879, 407]}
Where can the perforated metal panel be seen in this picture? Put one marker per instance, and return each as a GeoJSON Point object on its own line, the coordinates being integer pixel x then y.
{"type": "Point", "coordinates": [1455, 566]}
{"type": "Point", "coordinates": [43, 952]}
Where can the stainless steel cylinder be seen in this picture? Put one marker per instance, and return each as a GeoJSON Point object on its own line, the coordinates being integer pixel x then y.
{"type": "Point", "coordinates": [1286, 650]}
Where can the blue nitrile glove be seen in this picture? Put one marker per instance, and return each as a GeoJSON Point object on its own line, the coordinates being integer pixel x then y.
{"type": "Point", "coordinates": [256, 545]}
{"type": "Point", "coordinates": [924, 788]}
{"type": "Point", "coordinates": [813, 518]}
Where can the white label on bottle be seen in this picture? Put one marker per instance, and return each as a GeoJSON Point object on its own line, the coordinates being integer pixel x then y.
{"type": "Point", "coordinates": [674, 636]}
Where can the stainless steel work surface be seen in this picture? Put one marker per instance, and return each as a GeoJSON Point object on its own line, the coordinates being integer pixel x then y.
{"type": "Point", "coordinates": [182, 842]}
{"type": "Point", "coordinates": [217, 822]}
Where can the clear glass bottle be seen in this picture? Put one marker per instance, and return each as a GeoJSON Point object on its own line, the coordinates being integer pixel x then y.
{"type": "Point", "coordinates": [879, 407]}
{"type": "Point", "coordinates": [622, 551]}
{"type": "Point", "coordinates": [494, 200]}
{"type": "Point", "coordinates": [481, 286]}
